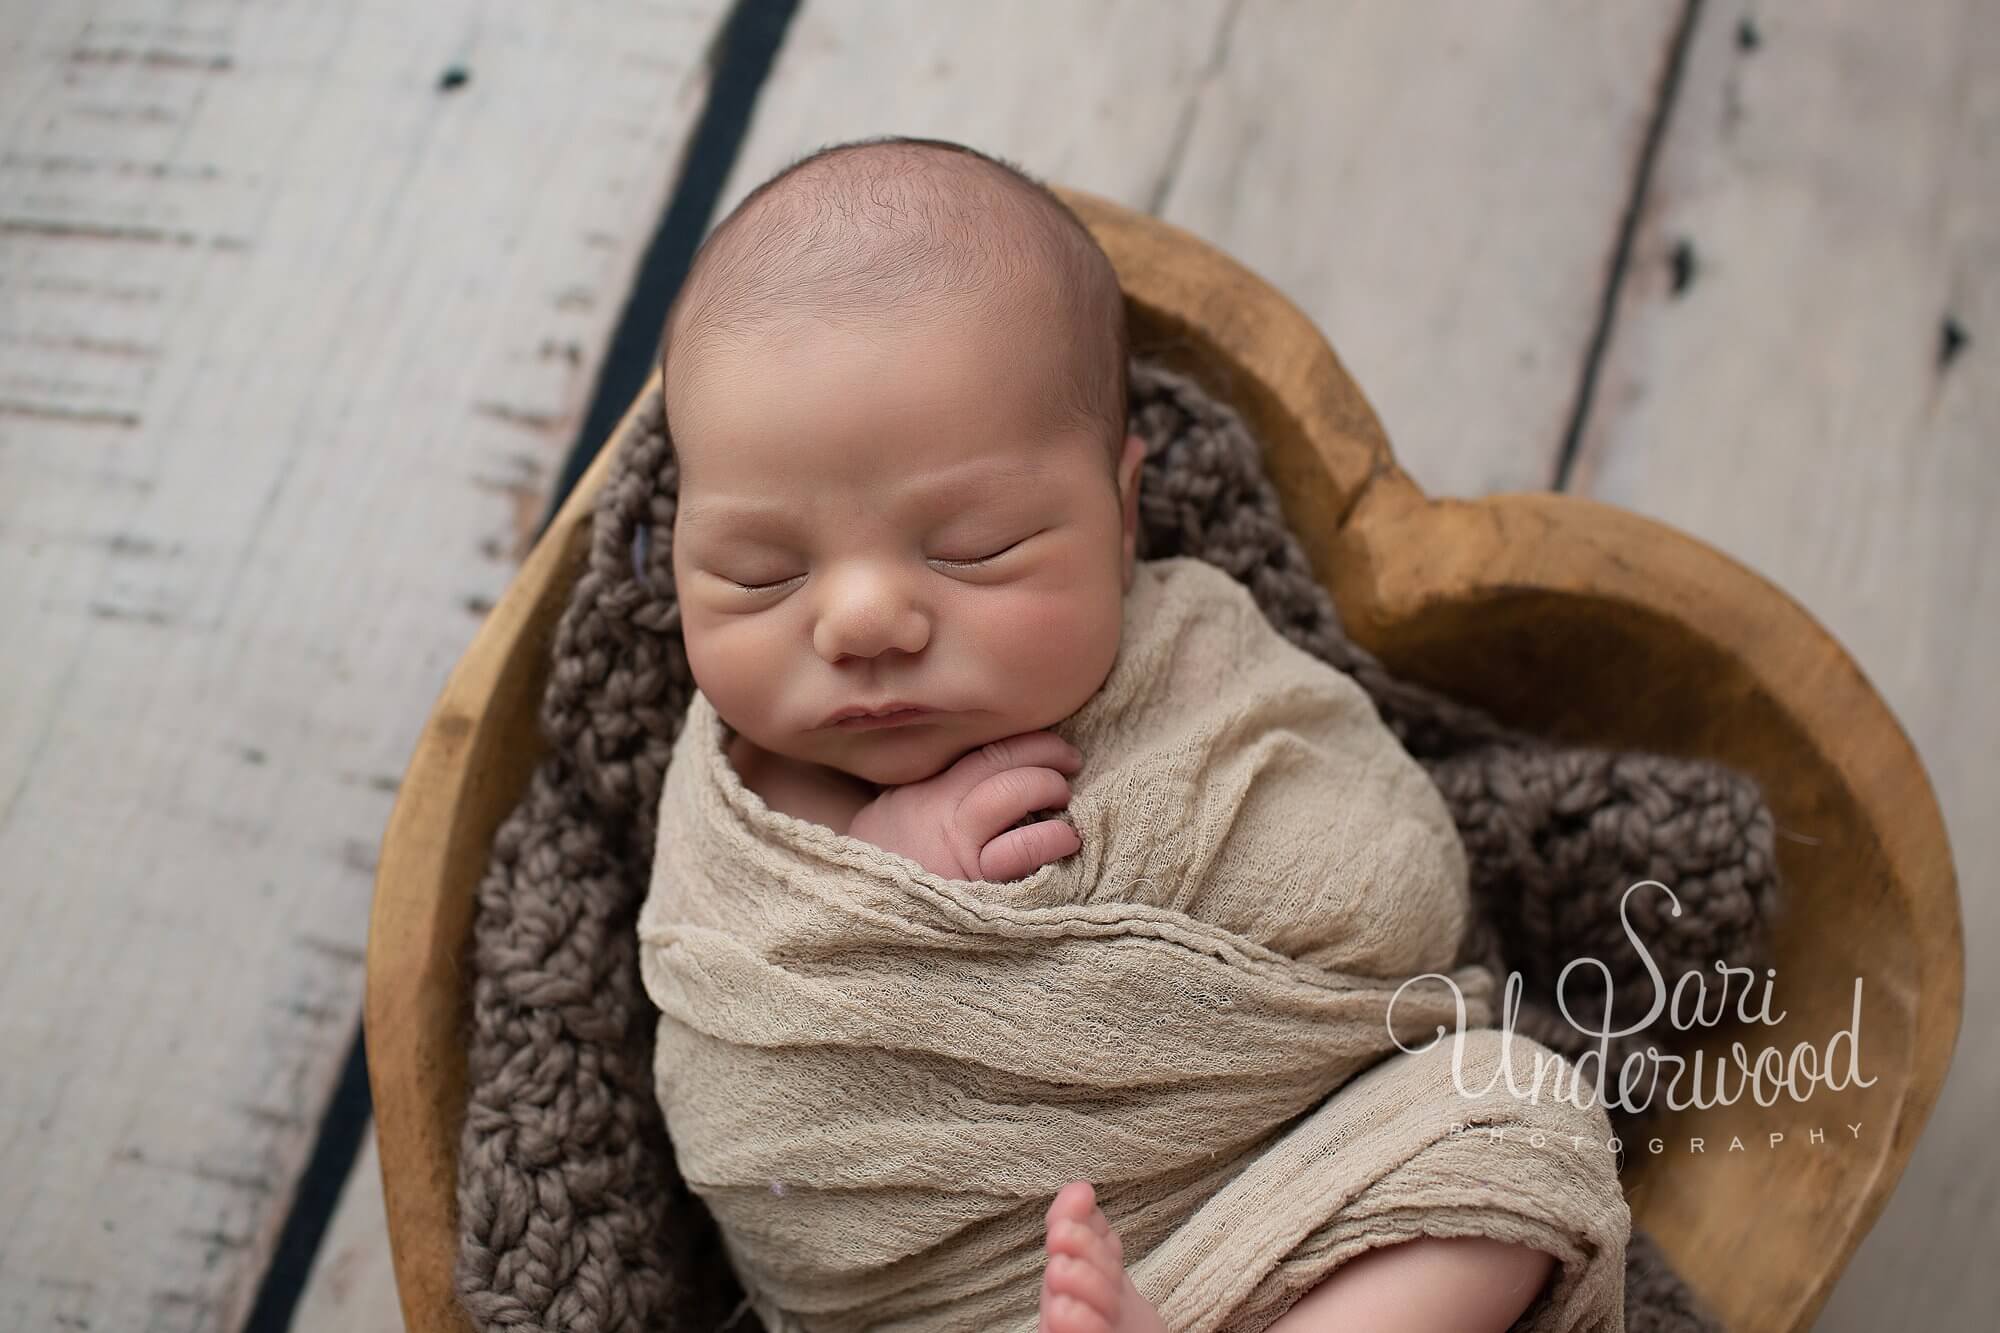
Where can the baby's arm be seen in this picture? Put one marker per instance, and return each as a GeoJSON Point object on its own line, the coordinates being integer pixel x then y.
{"type": "Point", "coordinates": [1460, 1284]}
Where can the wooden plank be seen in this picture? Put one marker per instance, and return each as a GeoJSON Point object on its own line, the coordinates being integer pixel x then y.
{"type": "Point", "coordinates": [352, 1285]}
{"type": "Point", "coordinates": [1803, 373]}
{"type": "Point", "coordinates": [1442, 194]}
{"type": "Point", "coordinates": [293, 331]}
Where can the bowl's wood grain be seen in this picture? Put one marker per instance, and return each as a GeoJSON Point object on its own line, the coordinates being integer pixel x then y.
{"type": "Point", "coordinates": [1574, 618]}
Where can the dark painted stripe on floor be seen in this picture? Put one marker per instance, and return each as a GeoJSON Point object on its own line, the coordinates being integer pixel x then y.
{"type": "Point", "coordinates": [743, 57]}
{"type": "Point", "coordinates": [1621, 256]}
{"type": "Point", "coordinates": [341, 1132]}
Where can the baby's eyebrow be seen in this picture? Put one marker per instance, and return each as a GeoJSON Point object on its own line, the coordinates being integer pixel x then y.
{"type": "Point", "coordinates": [697, 513]}
{"type": "Point", "coordinates": [1012, 469]}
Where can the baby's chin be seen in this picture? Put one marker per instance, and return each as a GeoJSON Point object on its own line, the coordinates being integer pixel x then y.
{"type": "Point", "coordinates": [899, 756]}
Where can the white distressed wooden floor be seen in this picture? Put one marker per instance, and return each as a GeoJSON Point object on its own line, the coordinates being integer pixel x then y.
{"type": "Point", "coordinates": [292, 338]}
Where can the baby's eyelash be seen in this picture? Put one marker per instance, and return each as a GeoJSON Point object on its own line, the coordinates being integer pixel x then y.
{"type": "Point", "coordinates": [981, 559]}
{"type": "Point", "coordinates": [956, 564]}
{"type": "Point", "coordinates": [766, 587]}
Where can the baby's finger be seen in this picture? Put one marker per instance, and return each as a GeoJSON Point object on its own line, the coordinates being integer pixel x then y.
{"type": "Point", "coordinates": [1001, 801]}
{"type": "Point", "coordinates": [1027, 749]}
{"type": "Point", "coordinates": [1022, 851]}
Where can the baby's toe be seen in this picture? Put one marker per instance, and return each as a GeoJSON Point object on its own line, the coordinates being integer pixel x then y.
{"type": "Point", "coordinates": [1074, 1202]}
{"type": "Point", "coordinates": [1114, 1248]}
{"type": "Point", "coordinates": [1082, 1282]}
{"type": "Point", "coordinates": [1079, 1241]}
{"type": "Point", "coordinates": [1066, 1314]}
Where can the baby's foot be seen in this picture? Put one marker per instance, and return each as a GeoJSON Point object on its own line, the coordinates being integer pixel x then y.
{"type": "Point", "coordinates": [1085, 1288]}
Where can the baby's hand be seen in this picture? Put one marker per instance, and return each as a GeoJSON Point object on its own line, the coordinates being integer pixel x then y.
{"type": "Point", "coordinates": [959, 823]}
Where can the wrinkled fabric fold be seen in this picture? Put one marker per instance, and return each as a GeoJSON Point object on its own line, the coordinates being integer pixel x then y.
{"type": "Point", "coordinates": [1217, 1011]}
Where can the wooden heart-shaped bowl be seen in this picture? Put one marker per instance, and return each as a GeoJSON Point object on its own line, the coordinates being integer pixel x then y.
{"type": "Point", "coordinates": [1561, 615]}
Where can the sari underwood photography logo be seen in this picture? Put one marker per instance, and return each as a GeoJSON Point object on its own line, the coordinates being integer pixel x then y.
{"type": "Point", "coordinates": [1699, 1080]}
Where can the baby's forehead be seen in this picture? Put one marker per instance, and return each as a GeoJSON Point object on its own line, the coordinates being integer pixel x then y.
{"type": "Point", "coordinates": [961, 382]}
{"type": "Point", "coordinates": [1001, 352]}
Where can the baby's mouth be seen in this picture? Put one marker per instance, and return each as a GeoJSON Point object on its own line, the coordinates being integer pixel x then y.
{"type": "Point", "coordinates": [881, 708]}
{"type": "Point", "coordinates": [893, 717]}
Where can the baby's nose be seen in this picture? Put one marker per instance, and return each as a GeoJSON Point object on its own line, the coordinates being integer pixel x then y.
{"type": "Point", "coordinates": [866, 618]}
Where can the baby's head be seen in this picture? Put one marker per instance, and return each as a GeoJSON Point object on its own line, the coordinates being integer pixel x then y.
{"type": "Point", "coordinates": [895, 384]}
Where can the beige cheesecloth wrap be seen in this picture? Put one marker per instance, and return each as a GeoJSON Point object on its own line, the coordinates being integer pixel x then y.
{"type": "Point", "coordinates": [877, 1078]}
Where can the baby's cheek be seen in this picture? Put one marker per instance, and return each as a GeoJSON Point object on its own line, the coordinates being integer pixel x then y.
{"type": "Point", "coordinates": [730, 667]}
{"type": "Point", "coordinates": [1065, 638]}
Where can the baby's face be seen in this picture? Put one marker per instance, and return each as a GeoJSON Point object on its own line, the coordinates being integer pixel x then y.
{"type": "Point", "coordinates": [870, 517]}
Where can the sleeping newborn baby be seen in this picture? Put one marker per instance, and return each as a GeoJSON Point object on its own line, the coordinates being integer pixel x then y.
{"type": "Point", "coordinates": [904, 554]}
